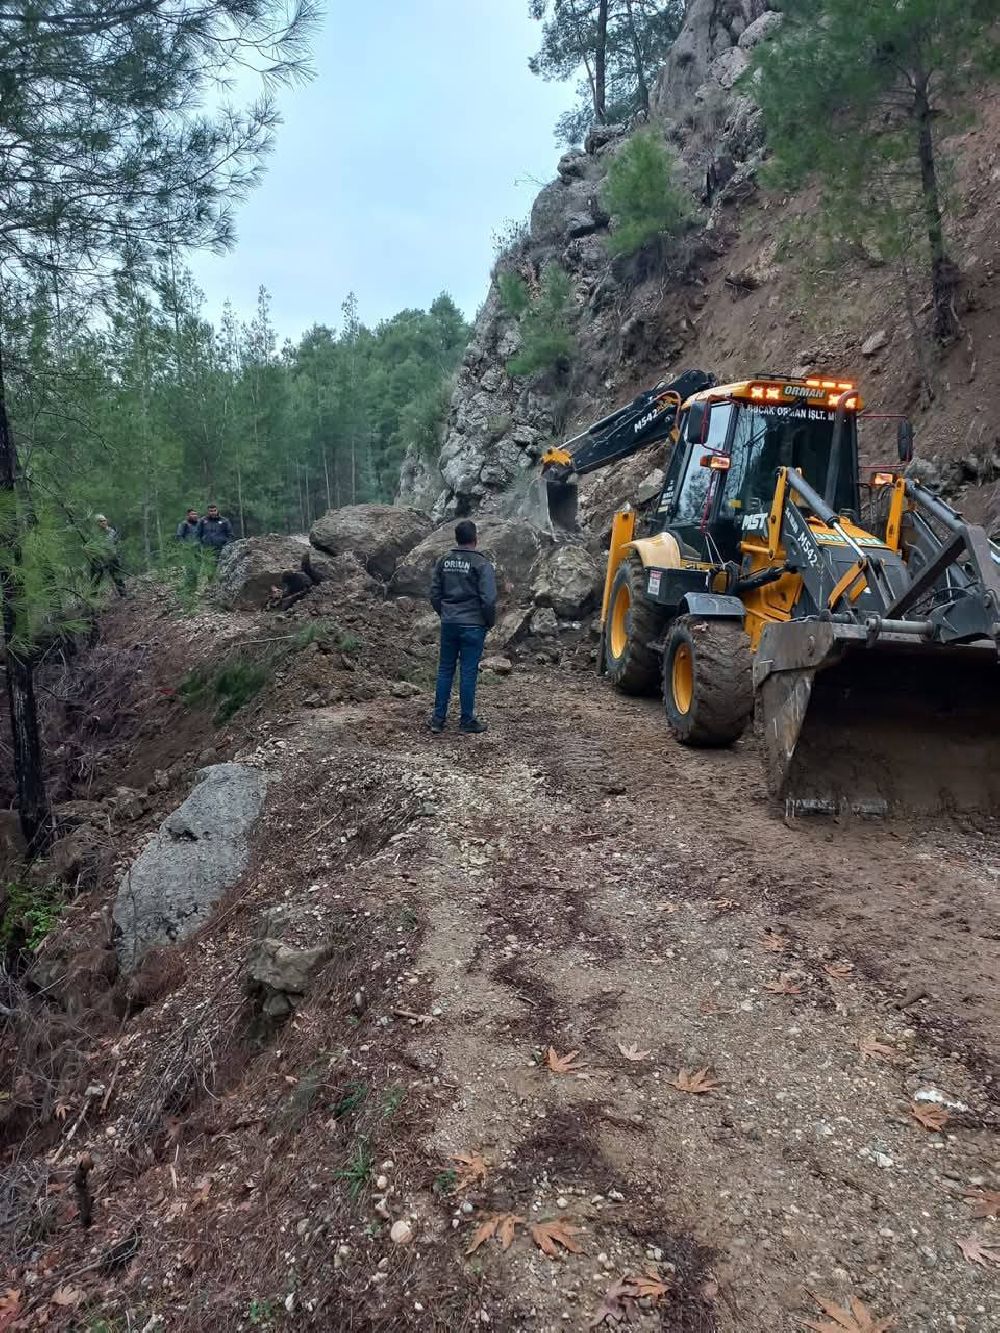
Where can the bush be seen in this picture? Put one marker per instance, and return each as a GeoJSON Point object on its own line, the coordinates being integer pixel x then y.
{"type": "Point", "coordinates": [547, 341]}
{"type": "Point", "coordinates": [642, 195]}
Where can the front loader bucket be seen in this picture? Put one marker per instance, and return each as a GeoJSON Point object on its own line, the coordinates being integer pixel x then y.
{"type": "Point", "coordinates": [551, 506]}
{"type": "Point", "coordinates": [898, 726]}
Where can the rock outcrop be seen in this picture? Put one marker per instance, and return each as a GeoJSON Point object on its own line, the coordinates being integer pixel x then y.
{"type": "Point", "coordinates": [379, 535]}
{"type": "Point", "coordinates": [199, 852]}
{"type": "Point", "coordinates": [499, 423]}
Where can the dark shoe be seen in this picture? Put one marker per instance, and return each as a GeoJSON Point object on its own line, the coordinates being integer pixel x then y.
{"type": "Point", "coordinates": [436, 725]}
{"type": "Point", "coordinates": [473, 728]}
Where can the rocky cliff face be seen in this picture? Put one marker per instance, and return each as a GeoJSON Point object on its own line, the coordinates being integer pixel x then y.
{"type": "Point", "coordinates": [625, 320]}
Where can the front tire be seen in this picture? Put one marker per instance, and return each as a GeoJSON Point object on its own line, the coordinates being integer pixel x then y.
{"type": "Point", "coordinates": [632, 626]}
{"type": "Point", "coordinates": [707, 681]}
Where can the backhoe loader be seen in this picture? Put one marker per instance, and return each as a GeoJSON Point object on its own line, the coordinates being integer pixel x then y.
{"type": "Point", "coordinates": [871, 656]}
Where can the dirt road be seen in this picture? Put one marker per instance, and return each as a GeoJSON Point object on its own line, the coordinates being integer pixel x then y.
{"type": "Point", "coordinates": [571, 880]}
{"type": "Point", "coordinates": [590, 886]}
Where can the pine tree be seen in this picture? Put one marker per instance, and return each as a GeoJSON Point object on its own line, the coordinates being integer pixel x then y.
{"type": "Point", "coordinates": [619, 44]}
{"type": "Point", "coordinates": [856, 94]}
{"type": "Point", "coordinates": [105, 158]}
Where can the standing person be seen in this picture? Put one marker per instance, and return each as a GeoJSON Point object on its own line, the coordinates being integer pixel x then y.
{"type": "Point", "coordinates": [106, 560]}
{"type": "Point", "coordinates": [214, 531]}
{"type": "Point", "coordinates": [464, 594]}
{"type": "Point", "coordinates": [187, 528]}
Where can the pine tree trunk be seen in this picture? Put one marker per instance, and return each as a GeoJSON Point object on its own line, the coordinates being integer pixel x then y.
{"type": "Point", "coordinates": [600, 61]}
{"type": "Point", "coordinates": [944, 276]}
{"type": "Point", "coordinates": [33, 805]}
{"type": "Point", "coordinates": [640, 73]}
{"type": "Point", "coordinates": [326, 478]}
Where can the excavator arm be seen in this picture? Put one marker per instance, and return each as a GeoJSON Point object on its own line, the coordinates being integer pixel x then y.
{"type": "Point", "coordinates": [647, 419]}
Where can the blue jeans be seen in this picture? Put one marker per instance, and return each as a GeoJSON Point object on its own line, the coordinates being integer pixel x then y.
{"type": "Point", "coordinates": [459, 643]}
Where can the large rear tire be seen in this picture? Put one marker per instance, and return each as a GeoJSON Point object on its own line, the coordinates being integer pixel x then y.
{"type": "Point", "coordinates": [707, 681]}
{"type": "Point", "coordinates": [632, 626]}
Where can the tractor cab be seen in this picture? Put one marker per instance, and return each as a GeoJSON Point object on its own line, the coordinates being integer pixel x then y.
{"type": "Point", "coordinates": [720, 482]}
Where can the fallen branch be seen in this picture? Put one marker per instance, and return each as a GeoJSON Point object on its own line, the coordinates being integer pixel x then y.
{"type": "Point", "coordinates": [84, 1198]}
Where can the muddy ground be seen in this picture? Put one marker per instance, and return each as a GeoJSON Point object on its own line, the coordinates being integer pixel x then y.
{"type": "Point", "coordinates": [570, 880]}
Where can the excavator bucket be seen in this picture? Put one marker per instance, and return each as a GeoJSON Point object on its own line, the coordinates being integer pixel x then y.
{"type": "Point", "coordinates": [885, 726]}
{"type": "Point", "coordinates": [551, 505]}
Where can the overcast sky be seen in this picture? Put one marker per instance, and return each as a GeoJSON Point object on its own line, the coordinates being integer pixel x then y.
{"type": "Point", "coordinates": [421, 133]}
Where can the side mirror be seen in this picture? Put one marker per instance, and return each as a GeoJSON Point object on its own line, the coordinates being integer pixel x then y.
{"type": "Point", "coordinates": [717, 462]}
{"type": "Point", "coordinates": [904, 441]}
{"type": "Point", "coordinates": [699, 417]}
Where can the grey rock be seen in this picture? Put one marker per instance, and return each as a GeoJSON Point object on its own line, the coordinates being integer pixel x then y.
{"type": "Point", "coordinates": [761, 29]}
{"type": "Point", "coordinates": [199, 852]}
{"type": "Point", "coordinates": [566, 579]}
{"type": "Point", "coordinates": [248, 569]}
{"type": "Point", "coordinates": [726, 68]}
{"type": "Point", "coordinates": [379, 535]}
{"type": "Point", "coordinates": [599, 136]}
{"type": "Point", "coordinates": [500, 666]}
{"type": "Point", "coordinates": [512, 626]}
{"type": "Point", "coordinates": [544, 623]}
{"type": "Point", "coordinates": [513, 547]}
{"type": "Point", "coordinates": [875, 343]}
{"type": "Point", "coordinates": [572, 165]}
{"type": "Point", "coordinates": [278, 967]}
{"type": "Point", "coordinates": [650, 487]}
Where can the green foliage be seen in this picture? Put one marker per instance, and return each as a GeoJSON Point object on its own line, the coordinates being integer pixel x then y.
{"type": "Point", "coordinates": [547, 341]}
{"type": "Point", "coordinates": [31, 912]}
{"type": "Point", "coordinates": [354, 1096]}
{"type": "Point", "coordinates": [643, 196]}
{"type": "Point", "coordinates": [856, 94]}
{"type": "Point", "coordinates": [357, 1172]}
{"type": "Point", "coordinates": [514, 295]}
{"type": "Point", "coordinates": [445, 1182]}
{"type": "Point", "coordinates": [262, 1312]}
{"type": "Point", "coordinates": [228, 687]}
{"type": "Point", "coordinates": [392, 1100]}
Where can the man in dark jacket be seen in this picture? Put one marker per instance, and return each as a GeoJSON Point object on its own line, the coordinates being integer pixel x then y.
{"type": "Point", "coordinates": [214, 531]}
{"type": "Point", "coordinates": [187, 528]}
{"type": "Point", "coordinates": [464, 594]}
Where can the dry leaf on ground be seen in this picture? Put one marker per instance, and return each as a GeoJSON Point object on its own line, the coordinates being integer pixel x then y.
{"type": "Point", "coordinates": [726, 904]}
{"type": "Point", "coordinates": [632, 1052]}
{"type": "Point", "coordinates": [838, 970]}
{"type": "Point", "coordinates": [62, 1109]}
{"type": "Point", "coordinates": [854, 1317]}
{"type": "Point", "coordinates": [619, 1302]}
{"type": "Point", "coordinates": [933, 1118]}
{"type": "Point", "coordinates": [549, 1235]}
{"type": "Point", "coordinates": [10, 1305]}
{"type": "Point", "coordinates": [500, 1225]}
{"type": "Point", "coordinates": [783, 986]}
{"type": "Point", "coordinates": [696, 1081]}
{"type": "Point", "coordinates": [985, 1203]}
{"type": "Point", "coordinates": [870, 1048]}
{"type": "Point", "coordinates": [472, 1169]}
{"type": "Point", "coordinates": [562, 1064]}
{"type": "Point", "coordinates": [979, 1251]}
{"type": "Point", "coordinates": [67, 1296]}
{"type": "Point", "coordinates": [774, 943]}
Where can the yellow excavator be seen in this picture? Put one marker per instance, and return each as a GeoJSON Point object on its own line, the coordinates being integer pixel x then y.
{"type": "Point", "coordinates": [870, 654]}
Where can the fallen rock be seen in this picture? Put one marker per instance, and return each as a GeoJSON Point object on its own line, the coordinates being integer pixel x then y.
{"type": "Point", "coordinates": [401, 1232]}
{"type": "Point", "coordinates": [567, 579]}
{"type": "Point", "coordinates": [875, 343]}
{"type": "Point", "coordinates": [650, 487]}
{"type": "Point", "coordinates": [512, 546]}
{"type": "Point", "coordinates": [511, 627]}
{"type": "Point", "coordinates": [544, 623]}
{"type": "Point", "coordinates": [346, 573]}
{"type": "Point", "coordinates": [500, 666]}
{"type": "Point", "coordinates": [199, 851]}
{"type": "Point", "coordinates": [279, 974]}
{"type": "Point", "coordinates": [403, 689]}
{"type": "Point", "coordinates": [248, 570]}
{"type": "Point", "coordinates": [379, 535]}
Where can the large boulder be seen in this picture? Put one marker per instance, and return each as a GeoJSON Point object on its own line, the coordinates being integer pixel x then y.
{"type": "Point", "coordinates": [248, 570]}
{"type": "Point", "coordinates": [199, 852]}
{"type": "Point", "coordinates": [567, 579]}
{"type": "Point", "coordinates": [379, 535]}
{"type": "Point", "coordinates": [513, 548]}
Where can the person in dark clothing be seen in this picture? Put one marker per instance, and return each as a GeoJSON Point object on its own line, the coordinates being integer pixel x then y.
{"type": "Point", "coordinates": [106, 561]}
{"type": "Point", "coordinates": [214, 531]}
{"type": "Point", "coordinates": [464, 594]}
{"type": "Point", "coordinates": [187, 528]}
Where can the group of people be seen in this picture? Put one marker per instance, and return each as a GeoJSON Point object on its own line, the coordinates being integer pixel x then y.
{"type": "Point", "coordinates": [213, 531]}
